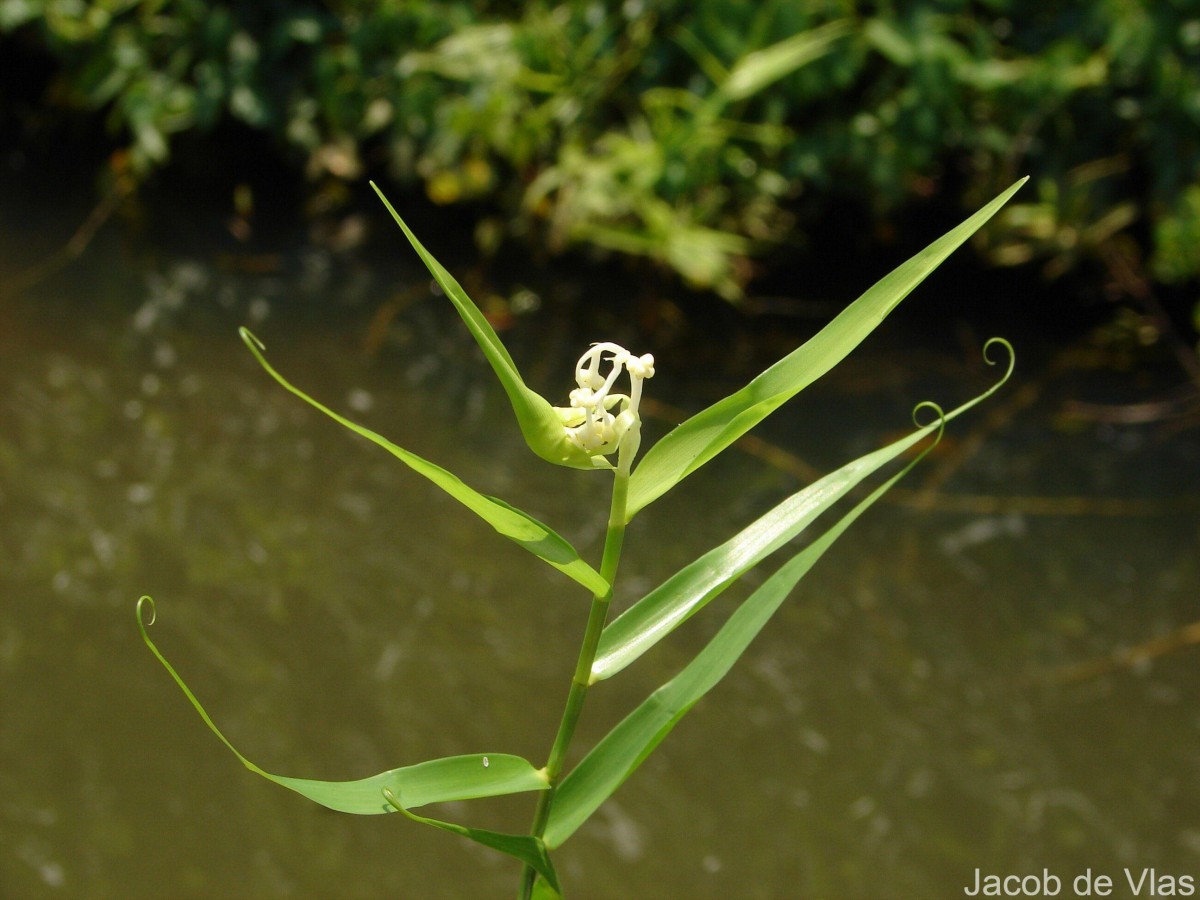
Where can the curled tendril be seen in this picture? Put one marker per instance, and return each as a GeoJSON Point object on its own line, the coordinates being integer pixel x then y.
{"type": "Point", "coordinates": [146, 601]}
{"type": "Point", "coordinates": [251, 339]}
{"type": "Point", "coordinates": [1012, 356]}
{"type": "Point", "coordinates": [987, 358]}
{"type": "Point", "coordinates": [394, 800]}
{"type": "Point", "coordinates": [143, 602]}
{"type": "Point", "coordinates": [938, 412]}
{"type": "Point", "coordinates": [940, 423]}
{"type": "Point", "coordinates": [942, 416]}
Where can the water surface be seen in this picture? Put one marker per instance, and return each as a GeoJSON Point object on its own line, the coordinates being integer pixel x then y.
{"type": "Point", "coordinates": [915, 712]}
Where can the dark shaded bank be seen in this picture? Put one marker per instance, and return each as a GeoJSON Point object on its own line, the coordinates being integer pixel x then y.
{"type": "Point", "coordinates": [704, 139]}
{"type": "Point", "coordinates": [796, 291]}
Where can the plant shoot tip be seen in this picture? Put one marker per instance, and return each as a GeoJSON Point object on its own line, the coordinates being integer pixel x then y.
{"type": "Point", "coordinates": [145, 601]}
{"type": "Point", "coordinates": [1008, 348]}
{"type": "Point", "coordinates": [250, 338]}
{"type": "Point", "coordinates": [392, 799]}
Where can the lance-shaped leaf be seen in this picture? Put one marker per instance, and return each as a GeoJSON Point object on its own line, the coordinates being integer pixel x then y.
{"type": "Point", "coordinates": [697, 440]}
{"type": "Point", "coordinates": [529, 849]}
{"type": "Point", "coordinates": [760, 68]}
{"type": "Point", "coordinates": [451, 778]}
{"type": "Point", "coordinates": [509, 521]}
{"type": "Point", "coordinates": [624, 748]}
{"type": "Point", "coordinates": [679, 597]}
{"type": "Point", "coordinates": [540, 425]}
{"type": "Point", "coordinates": [543, 891]}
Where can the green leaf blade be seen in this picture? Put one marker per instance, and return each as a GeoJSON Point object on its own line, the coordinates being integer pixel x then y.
{"type": "Point", "coordinates": [539, 423]}
{"type": "Point", "coordinates": [529, 849]}
{"type": "Point", "coordinates": [519, 527]}
{"type": "Point", "coordinates": [703, 436]}
{"type": "Point", "coordinates": [623, 749]}
{"type": "Point", "coordinates": [543, 891]}
{"type": "Point", "coordinates": [666, 607]}
{"type": "Point", "coordinates": [463, 777]}
{"type": "Point", "coordinates": [760, 68]}
{"type": "Point", "coordinates": [466, 777]}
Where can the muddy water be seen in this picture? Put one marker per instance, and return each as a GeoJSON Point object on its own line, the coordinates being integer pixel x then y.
{"type": "Point", "coordinates": [934, 700]}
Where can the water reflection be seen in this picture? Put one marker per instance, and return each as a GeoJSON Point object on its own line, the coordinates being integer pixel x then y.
{"type": "Point", "coordinates": [893, 730]}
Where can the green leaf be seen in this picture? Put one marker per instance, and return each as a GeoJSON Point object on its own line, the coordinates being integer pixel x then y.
{"type": "Point", "coordinates": [540, 424]}
{"type": "Point", "coordinates": [624, 748]}
{"type": "Point", "coordinates": [450, 778]}
{"type": "Point", "coordinates": [527, 848]}
{"type": "Point", "coordinates": [509, 521]}
{"type": "Point", "coordinates": [679, 597]}
{"type": "Point", "coordinates": [756, 70]}
{"type": "Point", "coordinates": [697, 440]}
{"type": "Point", "coordinates": [543, 891]}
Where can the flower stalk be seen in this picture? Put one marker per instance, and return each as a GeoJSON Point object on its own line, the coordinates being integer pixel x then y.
{"type": "Point", "coordinates": [591, 424]}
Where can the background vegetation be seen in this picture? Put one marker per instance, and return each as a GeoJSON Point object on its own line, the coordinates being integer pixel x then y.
{"type": "Point", "coordinates": [706, 136]}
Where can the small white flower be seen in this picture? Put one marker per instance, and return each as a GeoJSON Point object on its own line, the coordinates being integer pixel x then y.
{"type": "Point", "coordinates": [590, 421]}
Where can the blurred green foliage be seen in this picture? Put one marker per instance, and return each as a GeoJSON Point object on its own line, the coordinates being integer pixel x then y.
{"type": "Point", "coordinates": [693, 133]}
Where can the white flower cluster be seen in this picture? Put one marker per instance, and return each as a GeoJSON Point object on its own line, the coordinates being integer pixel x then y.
{"type": "Point", "coordinates": [599, 421]}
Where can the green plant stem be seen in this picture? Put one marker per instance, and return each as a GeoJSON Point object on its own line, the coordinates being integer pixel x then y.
{"type": "Point", "coordinates": [580, 681]}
